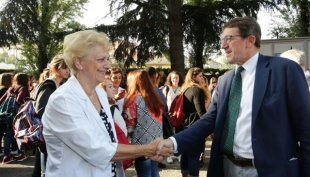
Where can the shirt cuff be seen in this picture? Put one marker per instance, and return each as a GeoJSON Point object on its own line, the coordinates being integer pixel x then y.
{"type": "Point", "coordinates": [175, 145]}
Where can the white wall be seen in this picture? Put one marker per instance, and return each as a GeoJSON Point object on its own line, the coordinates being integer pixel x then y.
{"type": "Point", "coordinates": [273, 47]}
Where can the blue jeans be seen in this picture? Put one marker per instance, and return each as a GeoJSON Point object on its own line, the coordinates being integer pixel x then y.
{"type": "Point", "coordinates": [146, 167]}
{"type": "Point", "coordinates": [190, 159]}
{"type": "Point", "coordinates": [9, 135]}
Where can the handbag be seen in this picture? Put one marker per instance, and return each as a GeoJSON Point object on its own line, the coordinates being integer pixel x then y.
{"type": "Point", "coordinates": [28, 128]}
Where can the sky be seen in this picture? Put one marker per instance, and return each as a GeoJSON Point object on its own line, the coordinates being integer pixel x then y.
{"type": "Point", "coordinates": [92, 17]}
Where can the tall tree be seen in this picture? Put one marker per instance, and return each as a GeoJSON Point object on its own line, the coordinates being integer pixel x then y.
{"type": "Point", "coordinates": [200, 22]}
{"type": "Point", "coordinates": [34, 25]}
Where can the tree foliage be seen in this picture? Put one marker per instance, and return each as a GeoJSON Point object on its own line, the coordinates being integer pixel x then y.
{"type": "Point", "coordinates": [154, 26]}
{"type": "Point", "coordinates": [293, 20]}
{"type": "Point", "coordinates": [35, 25]}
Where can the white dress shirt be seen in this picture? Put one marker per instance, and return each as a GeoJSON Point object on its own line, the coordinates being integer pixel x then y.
{"type": "Point", "coordinates": [243, 136]}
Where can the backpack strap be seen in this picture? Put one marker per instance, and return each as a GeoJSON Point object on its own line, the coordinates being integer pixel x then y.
{"type": "Point", "coordinates": [43, 84]}
{"type": "Point", "coordinates": [185, 90]}
{"type": "Point", "coordinates": [15, 93]}
{"type": "Point", "coordinates": [167, 90]}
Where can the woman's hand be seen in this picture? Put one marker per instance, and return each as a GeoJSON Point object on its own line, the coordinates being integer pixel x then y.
{"type": "Point", "coordinates": [121, 94]}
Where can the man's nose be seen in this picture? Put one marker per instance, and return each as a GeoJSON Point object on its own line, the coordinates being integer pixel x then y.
{"type": "Point", "coordinates": [224, 45]}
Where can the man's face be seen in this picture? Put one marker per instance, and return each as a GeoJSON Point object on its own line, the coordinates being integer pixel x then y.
{"type": "Point", "coordinates": [234, 46]}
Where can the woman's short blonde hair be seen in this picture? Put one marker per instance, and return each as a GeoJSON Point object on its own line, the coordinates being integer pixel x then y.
{"type": "Point", "coordinates": [80, 45]}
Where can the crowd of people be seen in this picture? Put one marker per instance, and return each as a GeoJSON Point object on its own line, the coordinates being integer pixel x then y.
{"type": "Point", "coordinates": [258, 112]}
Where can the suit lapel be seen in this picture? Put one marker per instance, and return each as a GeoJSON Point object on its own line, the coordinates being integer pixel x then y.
{"type": "Point", "coordinates": [260, 85]}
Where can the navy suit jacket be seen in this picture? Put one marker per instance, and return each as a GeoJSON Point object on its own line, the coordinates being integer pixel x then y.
{"type": "Point", "coordinates": [280, 119]}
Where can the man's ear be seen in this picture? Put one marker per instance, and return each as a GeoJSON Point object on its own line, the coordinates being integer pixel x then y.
{"type": "Point", "coordinates": [251, 40]}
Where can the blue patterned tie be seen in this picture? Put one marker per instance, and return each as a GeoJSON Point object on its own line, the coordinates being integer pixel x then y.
{"type": "Point", "coordinates": [232, 113]}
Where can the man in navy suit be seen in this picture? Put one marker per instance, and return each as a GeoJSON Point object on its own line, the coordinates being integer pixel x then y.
{"type": "Point", "coordinates": [272, 131]}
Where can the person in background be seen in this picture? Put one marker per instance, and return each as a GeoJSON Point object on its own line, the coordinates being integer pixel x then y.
{"type": "Point", "coordinates": [195, 97]}
{"type": "Point", "coordinates": [259, 112]}
{"type": "Point", "coordinates": [78, 126]}
{"type": "Point", "coordinates": [213, 84]}
{"type": "Point", "coordinates": [161, 79]}
{"type": "Point", "coordinates": [172, 86]}
{"type": "Point", "coordinates": [143, 118]}
{"type": "Point", "coordinates": [20, 89]}
{"type": "Point", "coordinates": [170, 91]}
{"type": "Point", "coordinates": [299, 57]}
{"type": "Point", "coordinates": [107, 85]}
{"type": "Point", "coordinates": [58, 71]}
{"type": "Point", "coordinates": [30, 81]}
{"type": "Point", "coordinates": [205, 85]}
{"type": "Point", "coordinates": [5, 83]}
{"type": "Point", "coordinates": [154, 77]}
{"type": "Point", "coordinates": [116, 76]}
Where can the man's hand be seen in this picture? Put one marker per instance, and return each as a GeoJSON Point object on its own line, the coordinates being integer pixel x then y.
{"type": "Point", "coordinates": [153, 146]}
{"type": "Point", "coordinates": [165, 148]}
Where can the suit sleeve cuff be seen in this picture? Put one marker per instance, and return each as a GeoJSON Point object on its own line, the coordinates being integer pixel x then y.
{"type": "Point", "coordinates": [175, 145]}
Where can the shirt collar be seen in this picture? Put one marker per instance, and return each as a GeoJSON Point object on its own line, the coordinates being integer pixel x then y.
{"type": "Point", "coordinates": [249, 65]}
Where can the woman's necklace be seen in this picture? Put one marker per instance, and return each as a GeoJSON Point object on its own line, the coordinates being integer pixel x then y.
{"type": "Point", "coordinates": [91, 98]}
{"type": "Point", "coordinates": [174, 90]}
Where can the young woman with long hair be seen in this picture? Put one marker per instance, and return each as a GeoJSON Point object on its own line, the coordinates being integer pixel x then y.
{"type": "Point", "coordinates": [143, 116]}
{"type": "Point", "coordinates": [195, 97]}
{"type": "Point", "coordinates": [58, 71]}
{"type": "Point", "coordinates": [20, 89]}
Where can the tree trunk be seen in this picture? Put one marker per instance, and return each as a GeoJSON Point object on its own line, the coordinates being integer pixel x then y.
{"type": "Point", "coordinates": [199, 47]}
{"type": "Point", "coordinates": [304, 18]}
{"type": "Point", "coordinates": [176, 36]}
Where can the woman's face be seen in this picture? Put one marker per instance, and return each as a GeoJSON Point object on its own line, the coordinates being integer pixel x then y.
{"type": "Point", "coordinates": [199, 78]}
{"type": "Point", "coordinates": [63, 72]}
{"type": "Point", "coordinates": [214, 83]}
{"type": "Point", "coordinates": [95, 65]}
{"type": "Point", "coordinates": [203, 82]}
{"type": "Point", "coordinates": [116, 79]}
{"type": "Point", "coordinates": [111, 91]}
{"type": "Point", "coordinates": [175, 79]}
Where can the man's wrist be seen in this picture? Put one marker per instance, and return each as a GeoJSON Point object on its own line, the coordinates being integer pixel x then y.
{"type": "Point", "coordinates": [175, 145]}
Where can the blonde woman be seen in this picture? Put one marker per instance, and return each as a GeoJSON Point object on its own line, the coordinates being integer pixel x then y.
{"type": "Point", "coordinates": [78, 126]}
{"type": "Point", "coordinates": [58, 71]}
{"type": "Point", "coordinates": [194, 108]}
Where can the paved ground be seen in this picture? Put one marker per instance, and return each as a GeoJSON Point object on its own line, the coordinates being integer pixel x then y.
{"type": "Point", "coordinates": [25, 168]}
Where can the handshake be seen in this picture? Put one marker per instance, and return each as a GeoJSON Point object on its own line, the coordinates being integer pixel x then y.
{"type": "Point", "coordinates": [161, 148]}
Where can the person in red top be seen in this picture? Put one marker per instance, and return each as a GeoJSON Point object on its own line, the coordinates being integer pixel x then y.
{"type": "Point", "coordinates": [20, 85]}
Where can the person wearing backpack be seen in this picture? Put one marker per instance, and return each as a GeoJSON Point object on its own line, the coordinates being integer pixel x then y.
{"type": "Point", "coordinates": [172, 88]}
{"type": "Point", "coordinates": [5, 84]}
{"type": "Point", "coordinates": [195, 97]}
{"type": "Point", "coordinates": [58, 71]}
{"type": "Point", "coordinates": [19, 91]}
